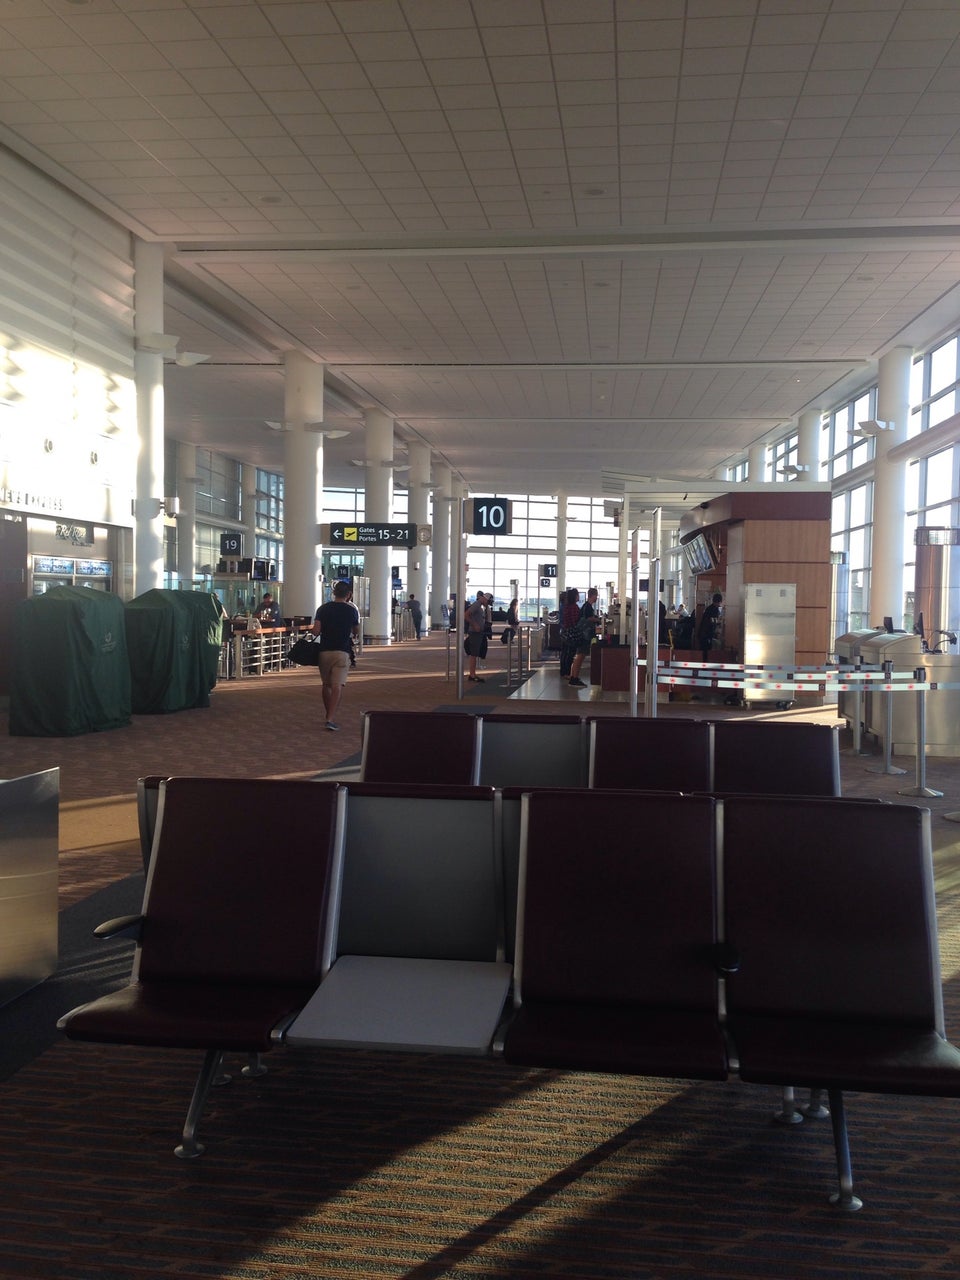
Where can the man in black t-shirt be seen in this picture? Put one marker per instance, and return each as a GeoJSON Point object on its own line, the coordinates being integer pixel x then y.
{"type": "Point", "coordinates": [337, 623]}
{"type": "Point", "coordinates": [709, 628]}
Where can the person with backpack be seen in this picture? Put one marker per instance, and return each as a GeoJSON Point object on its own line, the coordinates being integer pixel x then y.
{"type": "Point", "coordinates": [589, 620]}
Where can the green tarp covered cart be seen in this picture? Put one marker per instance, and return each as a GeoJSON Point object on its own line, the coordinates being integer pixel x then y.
{"type": "Point", "coordinates": [69, 668]}
{"type": "Point", "coordinates": [173, 639]}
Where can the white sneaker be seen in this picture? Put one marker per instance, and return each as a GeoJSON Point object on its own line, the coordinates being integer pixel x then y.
{"type": "Point", "coordinates": [332, 727]}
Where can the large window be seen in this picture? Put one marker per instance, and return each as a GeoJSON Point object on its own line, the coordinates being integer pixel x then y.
{"type": "Point", "coordinates": [842, 449]}
{"type": "Point", "coordinates": [269, 503]}
{"type": "Point", "coordinates": [496, 564]}
{"type": "Point", "coordinates": [784, 453]}
{"type": "Point", "coordinates": [218, 485]}
{"type": "Point", "coordinates": [934, 386]}
{"type": "Point", "coordinates": [850, 534]}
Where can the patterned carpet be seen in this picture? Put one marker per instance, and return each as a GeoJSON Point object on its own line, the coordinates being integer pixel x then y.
{"type": "Point", "coordinates": [373, 1166]}
{"type": "Point", "coordinates": [400, 1166]}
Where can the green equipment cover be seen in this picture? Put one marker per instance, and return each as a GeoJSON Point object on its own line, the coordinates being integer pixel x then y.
{"type": "Point", "coordinates": [70, 672]}
{"type": "Point", "coordinates": [173, 638]}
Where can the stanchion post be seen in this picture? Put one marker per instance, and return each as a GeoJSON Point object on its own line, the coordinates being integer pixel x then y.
{"type": "Point", "coordinates": [888, 766]}
{"type": "Point", "coordinates": [921, 788]}
{"type": "Point", "coordinates": [857, 727]}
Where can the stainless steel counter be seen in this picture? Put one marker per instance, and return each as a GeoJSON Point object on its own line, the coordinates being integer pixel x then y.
{"type": "Point", "coordinates": [29, 870]}
{"type": "Point", "coordinates": [942, 705]}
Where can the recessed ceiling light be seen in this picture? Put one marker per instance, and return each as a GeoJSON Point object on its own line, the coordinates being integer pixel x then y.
{"type": "Point", "coordinates": [271, 199]}
{"type": "Point", "coordinates": [594, 191]}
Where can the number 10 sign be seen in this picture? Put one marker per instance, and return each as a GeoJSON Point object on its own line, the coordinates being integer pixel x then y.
{"type": "Point", "coordinates": [489, 516]}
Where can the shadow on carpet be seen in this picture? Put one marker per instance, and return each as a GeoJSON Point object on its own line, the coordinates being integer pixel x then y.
{"type": "Point", "coordinates": [88, 967]}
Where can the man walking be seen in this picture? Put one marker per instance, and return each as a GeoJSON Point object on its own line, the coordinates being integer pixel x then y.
{"type": "Point", "coordinates": [416, 614]}
{"type": "Point", "coordinates": [337, 623]}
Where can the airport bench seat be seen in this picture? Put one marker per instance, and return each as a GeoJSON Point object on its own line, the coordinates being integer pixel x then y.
{"type": "Point", "coordinates": [614, 941]}
{"type": "Point", "coordinates": [230, 943]}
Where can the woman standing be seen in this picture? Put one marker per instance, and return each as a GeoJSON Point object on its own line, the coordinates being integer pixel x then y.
{"type": "Point", "coordinates": [568, 619]}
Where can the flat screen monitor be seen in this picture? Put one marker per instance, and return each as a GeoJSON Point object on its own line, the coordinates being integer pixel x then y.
{"type": "Point", "coordinates": [700, 554]}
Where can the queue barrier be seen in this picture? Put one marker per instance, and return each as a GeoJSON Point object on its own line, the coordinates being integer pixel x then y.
{"type": "Point", "coordinates": [826, 679]}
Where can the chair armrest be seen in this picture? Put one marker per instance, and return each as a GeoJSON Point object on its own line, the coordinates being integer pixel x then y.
{"type": "Point", "coordinates": [119, 927]}
{"type": "Point", "coordinates": [726, 958]}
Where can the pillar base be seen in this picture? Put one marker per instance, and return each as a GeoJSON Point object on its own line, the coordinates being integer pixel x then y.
{"type": "Point", "coordinates": [376, 640]}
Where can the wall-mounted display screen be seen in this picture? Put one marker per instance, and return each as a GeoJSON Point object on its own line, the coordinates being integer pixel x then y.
{"type": "Point", "coordinates": [700, 554]}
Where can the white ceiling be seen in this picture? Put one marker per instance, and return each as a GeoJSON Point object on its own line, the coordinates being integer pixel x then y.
{"type": "Point", "coordinates": [560, 241]}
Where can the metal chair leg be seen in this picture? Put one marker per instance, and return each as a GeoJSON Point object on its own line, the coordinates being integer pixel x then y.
{"type": "Point", "coordinates": [255, 1066]}
{"type": "Point", "coordinates": [788, 1113]}
{"type": "Point", "coordinates": [190, 1148]}
{"type": "Point", "coordinates": [844, 1197]}
{"type": "Point", "coordinates": [814, 1108]}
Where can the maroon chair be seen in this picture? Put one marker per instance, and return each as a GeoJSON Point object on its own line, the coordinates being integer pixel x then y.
{"type": "Point", "coordinates": [421, 746]}
{"type": "Point", "coordinates": [616, 935]}
{"type": "Point", "coordinates": [639, 753]}
{"type": "Point", "coordinates": [234, 934]}
{"type": "Point", "coordinates": [829, 909]}
{"type": "Point", "coordinates": [764, 757]}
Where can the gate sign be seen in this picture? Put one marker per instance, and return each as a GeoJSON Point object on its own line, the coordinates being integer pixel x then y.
{"type": "Point", "coordinates": [490, 516]}
{"type": "Point", "coordinates": [373, 535]}
{"type": "Point", "coordinates": [231, 544]}
{"type": "Point", "coordinates": [548, 570]}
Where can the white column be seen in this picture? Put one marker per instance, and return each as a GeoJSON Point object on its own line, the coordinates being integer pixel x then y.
{"type": "Point", "coordinates": [418, 505]}
{"type": "Point", "coordinates": [562, 582]}
{"type": "Point", "coordinates": [757, 463]}
{"type": "Point", "coordinates": [378, 506]}
{"type": "Point", "coordinates": [624, 582]}
{"type": "Point", "coordinates": [457, 545]}
{"type": "Point", "coordinates": [889, 489]}
{"type": "Point", "coordinates": [248, 511]}
{"type": "Point", "coordinates": [808, 443]}
{"type": "Point", "coordinates": [302, 485]}
{"type": "Point", "coordinates": [187, 515]}
{"type": "Point", "coordinates": [440, 547]}
{"type": "Point", "coordinates": [721, 473]}
{"type": "Point", "coordinates": [148, 371]}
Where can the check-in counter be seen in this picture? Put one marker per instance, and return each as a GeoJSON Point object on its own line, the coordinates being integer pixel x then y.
{"type": "Point", "coordinates": [905, 651]}
{"type": "Point", "coordinates": [848, 649]}
{"type": "Point", "coordinates": [29, 873]}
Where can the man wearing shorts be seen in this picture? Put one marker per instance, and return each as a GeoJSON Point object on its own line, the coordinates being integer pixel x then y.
{"type": "Point", "coordinates": [336, 623]}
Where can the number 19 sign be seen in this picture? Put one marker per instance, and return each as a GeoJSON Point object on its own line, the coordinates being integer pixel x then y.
{"type": "Point", "coordinates": [489, 516]}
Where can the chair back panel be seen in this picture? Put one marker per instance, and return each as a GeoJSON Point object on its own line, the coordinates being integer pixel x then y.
{"type": "Point", "coordinates": [651, 754]}
{"type": "Point", "coordinates": [830, 905]}
{"type": "Point", "coordinates": [617, 899]}
{"type": "Point", "coordinates": [420, 746]}
{"type": "Point", "coordinates": [762, 757]}
{"type": "Point", "coordinates": [240, 880]}
{"type": "Point", "coordinates": [533, 751]}
{"type": "Point", "coordinates": [422, 875]}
